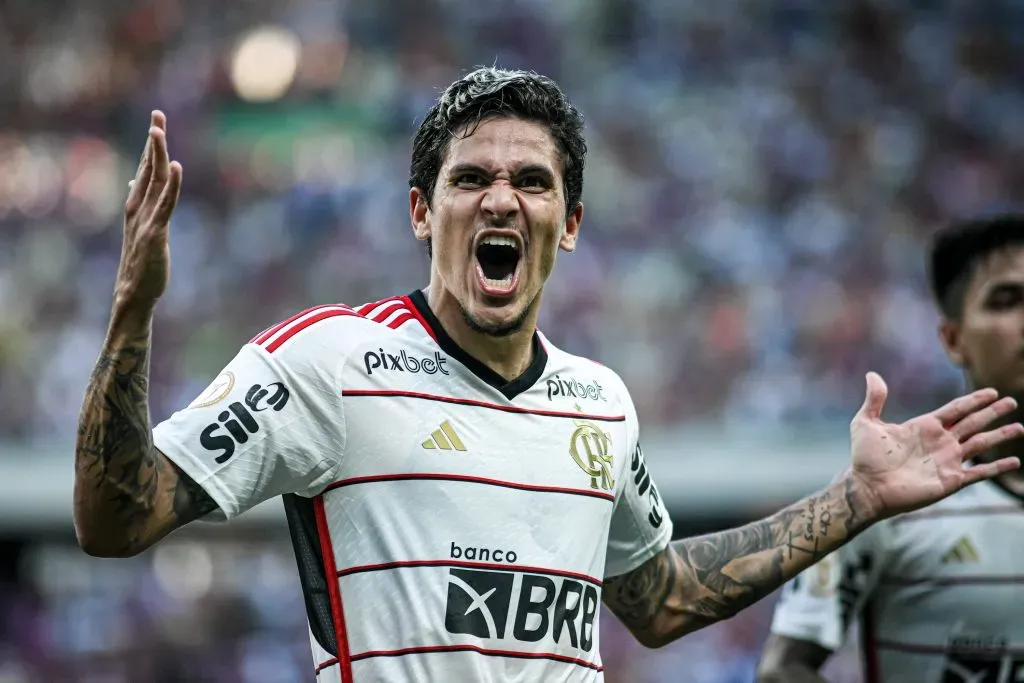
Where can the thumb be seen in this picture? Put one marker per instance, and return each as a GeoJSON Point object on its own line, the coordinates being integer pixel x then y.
{"type": "Point", "coordinates": [874, 400]}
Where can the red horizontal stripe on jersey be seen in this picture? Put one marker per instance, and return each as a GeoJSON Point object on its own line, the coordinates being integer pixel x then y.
{"type": "Point", "coordinates": [366, 308]}
{"type": "Point", "coordinates": [274, 329]}
{"type": "Point", "coordinates": [978, 511]}
{"type": "Point", "coordinates": [468, 565]}
{"type": "Point", "coordinates": [964, 579]}
{"type": "Point", "coordinates": [433, 476]}
{"type": "Point", "coordinates": [401, 320]}
{"type": "Point", "coordinates": [394, 393]}
{"type": "Point", "coordinates": [325, 665]}
{"type": "Point", "coordinates": [300, 326]}
{"type": "Point", "coordinates": [926, 649]}
{"type": "Point", "coordinates": [388, 310]}
{"type": "Point", "coordinates": [478, 650]}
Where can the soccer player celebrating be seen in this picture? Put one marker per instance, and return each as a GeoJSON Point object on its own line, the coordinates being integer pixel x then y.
{"type": "Point", "coordinates": [937, 591]}
{"type": "Point", "coordinates": [461, 493]}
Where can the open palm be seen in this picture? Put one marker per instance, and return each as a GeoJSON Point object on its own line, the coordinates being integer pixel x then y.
{"type": "Point", "coordinates": [907, 466]}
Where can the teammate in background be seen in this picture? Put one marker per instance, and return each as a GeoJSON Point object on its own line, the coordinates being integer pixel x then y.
{"type": "Point", "coordinates": [938, 591]}
{"type": "Point", "coordinates": [461, 493]}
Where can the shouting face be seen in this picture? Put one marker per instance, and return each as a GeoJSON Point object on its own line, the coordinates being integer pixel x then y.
{"type": "Point", "coordinates": [496, 221]}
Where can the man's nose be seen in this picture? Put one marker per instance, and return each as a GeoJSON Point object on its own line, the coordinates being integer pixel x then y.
{"type": "Point", "coordinates": [500, 202]}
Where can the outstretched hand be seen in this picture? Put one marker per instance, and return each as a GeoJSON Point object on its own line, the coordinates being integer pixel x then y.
{"type": "Point", "coordinates": [903, 467]}
{"type": "Point", "coordinates": [145, 253]}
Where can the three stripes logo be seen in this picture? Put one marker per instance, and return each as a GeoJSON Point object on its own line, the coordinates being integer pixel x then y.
{"type": "Point", "coordinates": [961, 553]}
{"type": "Point", "coordinates": [445, 439]}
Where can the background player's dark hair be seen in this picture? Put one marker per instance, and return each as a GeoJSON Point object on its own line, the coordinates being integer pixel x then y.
{"type": "Point", "coordinates": [488, 93]}
{"type": "Point", "coordinates": [957, 249]}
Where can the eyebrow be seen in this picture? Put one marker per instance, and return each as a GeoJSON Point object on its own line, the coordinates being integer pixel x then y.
{"type": "Point", "coordinates": [531, 169]}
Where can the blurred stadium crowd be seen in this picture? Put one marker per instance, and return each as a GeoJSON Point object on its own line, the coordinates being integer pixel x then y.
{"type": "Point", "coordinates": [761, 182]}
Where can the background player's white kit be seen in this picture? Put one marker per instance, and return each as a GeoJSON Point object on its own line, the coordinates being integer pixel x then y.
{"type": "Point", "coordinates": [939, 593]}
{"type": "Point", "coordinates": [448, 525]}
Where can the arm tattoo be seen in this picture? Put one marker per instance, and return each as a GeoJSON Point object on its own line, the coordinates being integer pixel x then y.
{"type": "Point", "coordinates": [698, 581]}
{"type": "Point", "coordinates": [122, 483]}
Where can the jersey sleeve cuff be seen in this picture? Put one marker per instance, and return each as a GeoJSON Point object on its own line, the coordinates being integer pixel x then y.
{"type": "Point", "coordinates": [808, 633]}
{"type": "Point", "coordinates": [227, 504]}
{"type": "Point", "coordinates": [623, 565]}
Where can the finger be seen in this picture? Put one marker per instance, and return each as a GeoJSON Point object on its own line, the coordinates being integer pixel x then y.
{"type": "Point", "coordinates": [169, 197]}
{"type": "Point", "coordinates": [976, 473]}
{"type": "Point", "coordinates": [979, 443]}
{"type": "Point", "coordinates": [160, 165]}
{"type": "Point", "coordinates": [976, 421]}
{"type": "Point", "coordinates": [874, 398]}
{"type": "Point", "coordinates": [159, 119]}
{"type": "Point", "coordinates": [961, 407]}
{"type": "Point", "coordinates": [142, 176]}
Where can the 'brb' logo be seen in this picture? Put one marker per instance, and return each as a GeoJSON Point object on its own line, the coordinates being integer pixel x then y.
{"type": "Point", "coordinates": [238, 420]}
{"type": "Point", "coordinates": [573, 388]}
{"type": "Point", "coordinates": [403, 362]}
{"type": "Point", "coordinates": [522, 606]}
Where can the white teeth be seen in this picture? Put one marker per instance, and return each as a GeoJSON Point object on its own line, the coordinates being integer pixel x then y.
{"type": "Point", "coordinates": [504, 282]}
{"type": "Point", "coordinates": [501, 241]}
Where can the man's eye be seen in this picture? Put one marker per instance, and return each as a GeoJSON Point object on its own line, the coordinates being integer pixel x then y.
{"type": "Point", "coordinates": [469, 179]}
{"type": "Point", "coordinates": [1004, 298]}
{"type": "Point", "coordinates": [534, 181]}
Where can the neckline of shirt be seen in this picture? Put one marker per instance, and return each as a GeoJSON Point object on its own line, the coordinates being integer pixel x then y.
{"type": "Point", "coordinates": [508, 389]}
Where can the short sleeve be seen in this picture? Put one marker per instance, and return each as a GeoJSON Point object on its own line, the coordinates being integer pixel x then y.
{"type": "Point", "coordinates": [269, 424]}
{"type": "Point", "coordinates": [818, 605]}
{"type": "Point", "coordinates": [640, 526]}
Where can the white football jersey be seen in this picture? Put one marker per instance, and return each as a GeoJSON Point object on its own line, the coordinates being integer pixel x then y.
{"type": "Point", "coordinates": [939, 593]}
{"type": "Point", "coordinates": [448, 525]}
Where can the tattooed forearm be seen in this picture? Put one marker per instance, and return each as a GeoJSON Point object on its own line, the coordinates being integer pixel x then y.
{"type": "Point", "coordinates": [127, 494]}
{"type": "Point", "coordinates": [699, 581]}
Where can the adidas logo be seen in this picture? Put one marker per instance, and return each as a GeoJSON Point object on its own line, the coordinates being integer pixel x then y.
{"type": "Point", "coordinates": [962, 552]}
{"type": "Point", "coordinates": [444, 439]}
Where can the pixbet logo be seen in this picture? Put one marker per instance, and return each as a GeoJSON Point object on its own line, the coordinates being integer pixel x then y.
{"type": "Point", "coordinates": [573, 388]}
{"type": "Point", "coordinates": [522, 606]}
{"type": "Point", "coordinates": [238, 420]}
{"type": "Point", "coordinates": [403, 362]}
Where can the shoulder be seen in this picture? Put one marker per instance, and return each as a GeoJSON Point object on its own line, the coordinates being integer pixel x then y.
{"type": "Point", "coordinates": [329, 332]}
{"type": "Point", "coordinates": [584, 378]}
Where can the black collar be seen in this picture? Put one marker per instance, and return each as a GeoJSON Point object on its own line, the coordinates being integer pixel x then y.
{"type": "Point", "coordinates": [509, 389]}
{"type": "Point", "coordinates": [1016, 497]}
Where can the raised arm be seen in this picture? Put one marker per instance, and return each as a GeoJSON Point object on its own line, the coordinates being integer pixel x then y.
{"type": "Point", "coordinates": [896, 468]}
{"type": "Point", "coordinates": [127, 494]}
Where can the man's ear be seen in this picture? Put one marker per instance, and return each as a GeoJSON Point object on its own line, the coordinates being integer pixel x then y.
{"type": "Point", "coordinates": [572, 229]}
{"type": "Point", "coordinates": [950, 334]}
{"type": "Point", "coordinates": [419, 214]}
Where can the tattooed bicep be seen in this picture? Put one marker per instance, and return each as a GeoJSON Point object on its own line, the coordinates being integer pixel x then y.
{"type": "Point", "coordinates": [189, 500]}
{"type": "Point", "coordinates": [639, 595]}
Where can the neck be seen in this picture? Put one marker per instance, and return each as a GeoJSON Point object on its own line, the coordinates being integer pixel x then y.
{"type": "Point", "coordinates": [509, 355]}
{"type": "Point", "coordinates": [1013, 480]}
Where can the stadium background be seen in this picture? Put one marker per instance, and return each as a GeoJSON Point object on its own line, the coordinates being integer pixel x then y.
{"type": "Point", "coordinates": [761, 181]}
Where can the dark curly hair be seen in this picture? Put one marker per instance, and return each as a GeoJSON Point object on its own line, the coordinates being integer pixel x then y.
{"type": "Point", "coordinates": [488, 93]}
{"type": "Point", "coordinates": [957, 249]}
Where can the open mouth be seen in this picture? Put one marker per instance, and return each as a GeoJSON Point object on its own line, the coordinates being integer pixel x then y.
{"type": "Point", "coordinates": [497, 259]}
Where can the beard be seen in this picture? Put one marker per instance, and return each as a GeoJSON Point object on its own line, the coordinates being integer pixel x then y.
{"type": "Point", "coordinates": [501, 329]}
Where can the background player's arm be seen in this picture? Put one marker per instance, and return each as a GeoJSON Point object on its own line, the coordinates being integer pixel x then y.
{"type": "Point", "coordinates": [128, 495]}
{"type": "Point", "coordinates": [698, 581]}
{"type": "Point", "coordinates": [791, 660]}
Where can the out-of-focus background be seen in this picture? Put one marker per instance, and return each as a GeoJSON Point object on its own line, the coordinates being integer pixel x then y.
{"type": "Point", "coordinates": [762, 180]}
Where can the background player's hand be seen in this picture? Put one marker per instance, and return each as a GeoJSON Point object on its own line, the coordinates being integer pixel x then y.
{"type": "Point", "coordinates": [152, 196]}
{"type": "Point", "coordinates": [902, 467]}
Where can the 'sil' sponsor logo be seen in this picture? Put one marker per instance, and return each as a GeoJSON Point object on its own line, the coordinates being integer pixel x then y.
{"type": "Point", "coordinates": [573, 388]}
{"type": "Point", "coordinates": [521, 606]}
{"type": "Point", "coordinates": [238, 421]}
{"type": "Point", "coordinates": [403, 362]}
